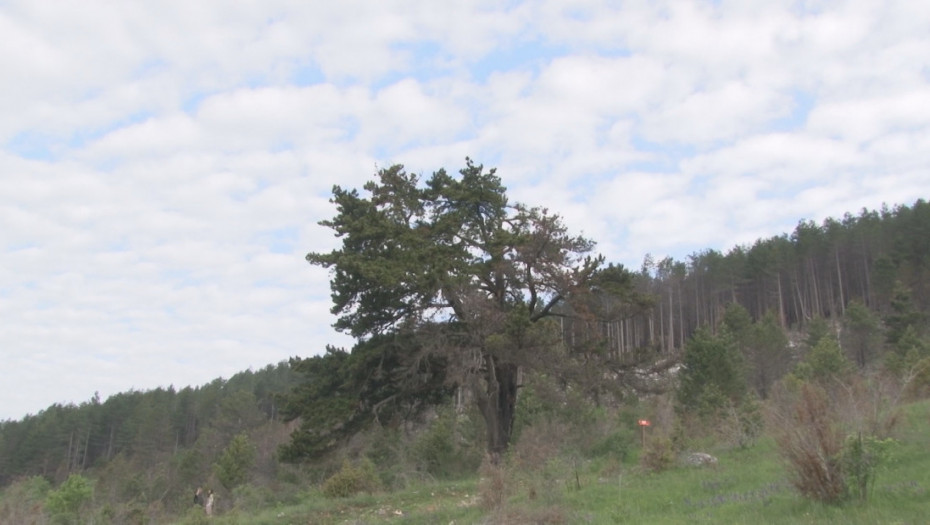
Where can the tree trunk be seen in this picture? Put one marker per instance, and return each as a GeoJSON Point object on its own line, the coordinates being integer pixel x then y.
{"type": "Point", "coordinates": [498, 406]}
{"type": "Point", "coordinates": [839, 281]}
{"type": "Point", "coordinates": [781, 303]}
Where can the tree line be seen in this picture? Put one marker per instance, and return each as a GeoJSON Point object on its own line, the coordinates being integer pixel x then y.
{"type": "Point", "coordinates": [144, 427]}
{"type": "Point", "coordinates": [457, 295]}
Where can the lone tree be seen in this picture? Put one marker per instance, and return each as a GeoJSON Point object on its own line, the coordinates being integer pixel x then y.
{"type": "Point", "coordinates": [473, 276]}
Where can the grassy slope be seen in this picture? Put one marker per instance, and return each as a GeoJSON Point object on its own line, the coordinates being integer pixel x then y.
{"type": "Point", "coordinates": [748, 486]}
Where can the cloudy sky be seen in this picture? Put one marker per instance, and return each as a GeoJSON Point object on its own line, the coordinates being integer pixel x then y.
{"type": "Point", "coordinates": [164, 164]}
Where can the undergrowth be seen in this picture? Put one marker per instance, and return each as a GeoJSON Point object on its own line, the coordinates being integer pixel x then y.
{"type": "Point", "coordinates": [749, 485]}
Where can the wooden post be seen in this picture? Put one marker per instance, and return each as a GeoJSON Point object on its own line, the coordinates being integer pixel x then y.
{"type": "Point", "coordinates": [643, 423]}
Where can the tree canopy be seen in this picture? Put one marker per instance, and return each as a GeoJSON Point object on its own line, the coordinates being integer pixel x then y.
{"type": "Point", "coordinates": [453, 261]}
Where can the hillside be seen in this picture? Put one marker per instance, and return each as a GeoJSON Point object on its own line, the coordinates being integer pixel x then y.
{"type": "Point", "coordinates": [849, 298]}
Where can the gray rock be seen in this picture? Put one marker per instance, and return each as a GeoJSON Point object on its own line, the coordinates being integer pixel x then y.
{"type": "Point", "coordinates": [700, 459]}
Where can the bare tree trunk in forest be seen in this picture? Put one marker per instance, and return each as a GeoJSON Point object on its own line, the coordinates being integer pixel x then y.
{"type": "Point", "coordinates": [619, 330]}
{"type": "Point", "coordinates": [652, 323]}
{"type": "Point", "coordinates": [839, 281]}
{"type": "Point", "coordinates": [86, 445]}
{"type": "Point", "coordinates": [70, 457]}
{"type": "Point", "coordinates": [781, 303]}
{"type": "Point", "coordinates": [498, 406]}
{"type": "Point", "coordinates": [697, 302]}
{"type": "Point", "coordinates": [815, 293]}
{"type": "Point", "coordinates": [661, 337]}
{"type": "Point", "coordinates": [800, 301]}
{"type": "Point", "coordinates": [671, 321]}
{"type": "Point", "coordinates": [110, 443]}
{"type": "Point", "coordinates": [868, 283]}
{"type": "Point", "coordinates": [681, 316]}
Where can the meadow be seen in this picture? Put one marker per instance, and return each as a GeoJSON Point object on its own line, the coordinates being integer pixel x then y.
{"type": "Point", "coordinates": [748, 485]}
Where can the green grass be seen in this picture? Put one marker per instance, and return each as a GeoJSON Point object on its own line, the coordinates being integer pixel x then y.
{"type": "Point", "coordinates": [748, 486]}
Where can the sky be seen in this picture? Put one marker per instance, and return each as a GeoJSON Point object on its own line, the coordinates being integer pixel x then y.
{"type": "Point", "coordinates": [163, 165]}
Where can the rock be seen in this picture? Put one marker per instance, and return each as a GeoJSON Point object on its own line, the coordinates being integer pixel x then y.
{"type": "Point", "coordinates": [700, 459]}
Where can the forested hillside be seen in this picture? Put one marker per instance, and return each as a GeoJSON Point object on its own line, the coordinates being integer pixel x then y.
{"type": "Point", "coordinates": [865, 277]}
{"type": "Point", "coordinates": [876, 258]}
{"type": "Point", "coordinates": [150, 447]}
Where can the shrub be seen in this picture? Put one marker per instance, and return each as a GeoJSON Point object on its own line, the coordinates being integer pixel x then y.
{"type": "Point", "coordinates": [616, 444]}
{"type": "Point", "coordinates": [21, 501]}
{"type": "Point", "coordinates": [742, 425]}
{"type": "Point", "coordinates": [351, 480]}
{"type": "Point", "coordinates": [435, 448]}
{"type": "Point", "coordinates": [824, 362]}
{"type": "Point", "coordinates": [448, 448]}
{"type": "Point", "coordinates": [537, 445]}
{"type": "Point", "coordinates": [67, 500]}
{"type": "Point", "coordinates": [492, 485]}
{"type": "Point", "coordinates": [918, 383]}
{"type": "Point", "coordinates": [809, 438]}
{"type": "Point", "coordinates": [711, 373]}
{"type": "Point", "coordinates": [249, 498]}
{"type": "Point", "coordinates": [860, 458]}
{"type": "Point", "coordinates": [232, 468]}
{"type": "Point", "coordinates": [658, 454]}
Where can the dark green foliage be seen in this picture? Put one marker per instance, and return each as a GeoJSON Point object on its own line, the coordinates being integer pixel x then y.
{"type": "Point", "coordinates": [769, 356]}
{"type": "Point", "coordinates": [342, 393]}
{"type": "Point", "coordinates": [615, 445]}
{"type": "Point", "coordinates": [903, 316]}
{"type": "Point", "coordinates": [447, 447]}
{"type": "Point", "coordinates": [233, 466]}
{"type": "Point", "coordinates": [763, 346]}
{"type": "Point", "coordinates": [738, 322]}
{"type": "Point", "coordinates": [146, 426]}
{"type": "Point", "coordinates": [823, 363]}
{"type": "Point", "coordinates": [451, 262]}
{"type": "Point", "coordinates": [862, 334]}
{"type": "Point", "coordinates": [817, 329]}
{"type": "Point", "coordinates": [711, 374]}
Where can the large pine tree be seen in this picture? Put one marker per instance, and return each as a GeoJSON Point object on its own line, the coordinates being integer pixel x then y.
{"type": "Point", "coordinates": [453, 261]}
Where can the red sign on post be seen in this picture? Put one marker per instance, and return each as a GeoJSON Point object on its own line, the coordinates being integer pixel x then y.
{"type": "Point", "coordinates": [643, 423]}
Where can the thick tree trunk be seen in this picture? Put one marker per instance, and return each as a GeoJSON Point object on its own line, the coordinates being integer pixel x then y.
{"type": "Point", "coordinates": [498, 406]}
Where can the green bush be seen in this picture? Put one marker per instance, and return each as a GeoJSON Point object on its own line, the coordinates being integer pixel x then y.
{"type": "Point", "coordinates": [860, 458]}
{"type": "Point", "coordinates": [232, 468]}
{"type": "Point", "coordinates": [448, 448]}
{"type": "Point", "coordinates": [66, 502]}
{"type": "Point", "coordinates": [712, 373]}
{"type": "Point", "coordinates": [742, 425]}
{"type": "Point", "coordinates": [616, 444]}
{"type": "Point", "coordinates": [352, 480]}
{"type": "Point", "coordinates": [435, 448]}
{"type": "Point", "coordinates": [825, 361]}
